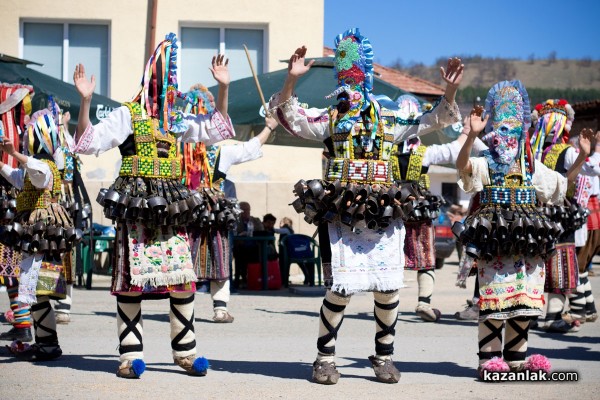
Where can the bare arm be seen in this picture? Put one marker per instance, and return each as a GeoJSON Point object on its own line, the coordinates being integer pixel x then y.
{"type": "Point", "coordinates": [585, 139]}
{"type": "Point", "coordinates": [8, 147]}
{"type": "Point", "coordinates": [270, 125]}
{"type": "Point", "coordinates": [221, 74]}
{"type": "Point", "coordinates": [85, 88]}
{"type": "Point", "coordinates": [296, 68]}
{"type": "Point", "coordinates": [452, 75]}
{"type": "Point", "coordinates": [476, 124]}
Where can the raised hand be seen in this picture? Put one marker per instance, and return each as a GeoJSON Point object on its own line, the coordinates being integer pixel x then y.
{"type": "Point", "coordinates": [585, 140]}
{"type": "Point", "coordinates": [7, 147]}
{"type": "Point", "coordinates": [297, 65]}
{"type": "Point", "coordinates": [466, 125]}
{"type": "Point", "coordinates": [271, 122]}
{"type": "Point", "coordinates": [453, 73]}
{"type": "Point", "coordinates": [476, 123]}
{"type": "Point", "coordinates": [219, 69]}
{"type": "Point", "coordinates": [84, 87]}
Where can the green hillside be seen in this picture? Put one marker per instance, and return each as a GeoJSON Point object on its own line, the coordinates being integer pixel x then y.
{"type": "Point", "coordinates": [575, 80]}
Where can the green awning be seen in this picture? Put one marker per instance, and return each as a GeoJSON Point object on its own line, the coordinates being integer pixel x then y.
{"type": "Point", "coordinates": [64, 93]}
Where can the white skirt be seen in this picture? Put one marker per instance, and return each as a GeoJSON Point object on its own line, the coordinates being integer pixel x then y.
{"type": "Point", "coordinates": [367, 260]}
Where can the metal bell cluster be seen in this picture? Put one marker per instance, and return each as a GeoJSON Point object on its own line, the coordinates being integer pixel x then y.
{"type": "Point", "coordinates": [570, 215]}
{"type": "Point", "coordinates": [371, 206]}
{"type": "Point", "coordinates": [49, 231]}
{"type": "Point", "coordinates": [74, 208]}
{"type": "Point", "coordinates": [493, 232]}
{"type": "Point", "coordinates": [8, 202]}
{"type": "Point", "coordinates": [165, 202]}
{"type": "Point", "coordinates": [424, 206]}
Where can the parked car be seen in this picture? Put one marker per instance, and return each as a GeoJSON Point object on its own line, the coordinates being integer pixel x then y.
{"type": "Point", "coordinates": [445, 241]}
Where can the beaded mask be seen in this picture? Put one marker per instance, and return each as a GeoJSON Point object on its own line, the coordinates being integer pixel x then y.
{"type": "Point", "coordinates": [353, 66]}
{"type": "Point", "coordinates": [507, 104]}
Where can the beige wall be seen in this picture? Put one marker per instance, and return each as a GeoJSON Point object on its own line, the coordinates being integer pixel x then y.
{"type": "Point", "coordinates": [265, 183]}
{"type": "Point", "coordinates": [288, 25]}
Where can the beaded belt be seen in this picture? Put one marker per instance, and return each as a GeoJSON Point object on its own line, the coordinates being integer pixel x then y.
{"type": "Point", "coordinates": [505, 195]}
{"type": "Point", "coordinates": [151, 167]}
{"type": "Point", "coordinates": [360, 171]}
{"type": "Point", "coordinates": [33, 199]}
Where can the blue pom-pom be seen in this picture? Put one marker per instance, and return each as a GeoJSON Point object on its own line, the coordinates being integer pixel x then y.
{"type": "Point", "coordinates": [138, 366]}
{"type": "Point", "coordinates": [200, 364]}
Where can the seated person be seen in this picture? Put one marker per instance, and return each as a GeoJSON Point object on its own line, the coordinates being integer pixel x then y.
{"type": "Point", "coordinates": [269, 229]}
{"type": "Point", "coordinates": [245, 252]}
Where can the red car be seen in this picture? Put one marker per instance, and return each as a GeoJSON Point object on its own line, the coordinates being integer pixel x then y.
{"type": "Point", "coordinates": [445, 241]}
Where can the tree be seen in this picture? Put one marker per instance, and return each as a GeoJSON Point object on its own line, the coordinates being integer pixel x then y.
{"type": "Point", "coordinates": [531, 59]}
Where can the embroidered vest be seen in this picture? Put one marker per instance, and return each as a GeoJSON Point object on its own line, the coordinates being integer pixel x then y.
{"type": "Point", "coordinates": [31, 198]}
{"type": "Point", "coordinates": [145, 162]}
{"type": "Point", "coordinates": [359, 156]}
{"type": "Point", "coordinates": [555, 160]}
{"type": "Point", "coordinates": [412, 169]}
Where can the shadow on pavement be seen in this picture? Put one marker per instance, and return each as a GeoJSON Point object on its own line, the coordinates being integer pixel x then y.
{"type": "Point", "coordinates": [288, 370]}
{"type": "Point", "coordinates": [567, 337]}
{"type": "Point", "coordinates": [570, 353]}
{"type": "Point", "coordinates": [437, 368]}
{"type": "Point", "coordinates": [95, 363]}
{"type": "Point", "coordinates": [311, 314]}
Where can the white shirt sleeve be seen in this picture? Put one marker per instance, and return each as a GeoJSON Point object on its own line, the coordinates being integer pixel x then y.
{"type": "Point", "coordinates": [307, 123]}
{"type": "Point", "coordinates": [478, 147]}
{"type": "Point", "coordinates": [437, 154]}
{"type": "Point", "coordinates": [110, 132]}
{"type": "Point", "coordinates": [550, 186]}
{"type": "Point", "coordinates": [14, 176]}
{"type": "Point", "coordinates": [591, 166]}
{"type": "Point", "coordinates": [442, 115]}
{"type": "Point", "coordinates": [113, 130]}
{"type": "Point", "coordinates": [477, 179]}
{"type": "Point", "coordinates": [39, 173]}
{"type": "Point", "coordinates": [239, 153]}
{"type": "Point", "coordinates": [208, 128]}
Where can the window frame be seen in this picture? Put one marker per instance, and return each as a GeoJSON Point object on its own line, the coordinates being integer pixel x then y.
{"type": "Point", "coordinates": [66, 74]}
{"type": "Point", "coordinates": [264, 27]}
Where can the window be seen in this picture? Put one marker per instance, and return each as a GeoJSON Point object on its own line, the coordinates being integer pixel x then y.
{"type": "Point", "coordinates": [199, 45]}
{"type": "Point", "coordinates": [61, 46]}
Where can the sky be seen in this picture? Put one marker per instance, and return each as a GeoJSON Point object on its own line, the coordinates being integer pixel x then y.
{"type": "Point", "coordinates": [422, 31]}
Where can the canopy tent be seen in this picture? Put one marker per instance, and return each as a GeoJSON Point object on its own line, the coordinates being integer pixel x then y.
{"type": "Point", "coordinates": [14, 70]}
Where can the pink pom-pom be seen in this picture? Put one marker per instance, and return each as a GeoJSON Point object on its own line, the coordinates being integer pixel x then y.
{"type": "Point", "coordinates": [538, 362]}
{"type": "Point", "coordinates": [495, 364]}
{"type": "Point", "coordinates": [9, 316]}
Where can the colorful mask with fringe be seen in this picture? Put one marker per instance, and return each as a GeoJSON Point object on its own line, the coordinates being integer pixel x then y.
{"type": "Point", "coordinates": [159, 85]}
{"type": "Point", "coordinates": [353, 66]}
{"type": "Point", "coordinates": [41, 133]}
{"type": "Point", "coordinates": [507, 104]}
{"type": "Point", "coordinates": [552, 121]}
{"type": "Point", "coordinates": [199, 101]}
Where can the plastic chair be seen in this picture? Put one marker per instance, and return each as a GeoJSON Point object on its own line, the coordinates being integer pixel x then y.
{"type": "Point", "coordinates": [101, 244]}
{"type": "Point", "coordinates": [302, 250]}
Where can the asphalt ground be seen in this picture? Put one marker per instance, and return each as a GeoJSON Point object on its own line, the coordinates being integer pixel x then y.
{"type": "Point", "coordinates": [269, 349]}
